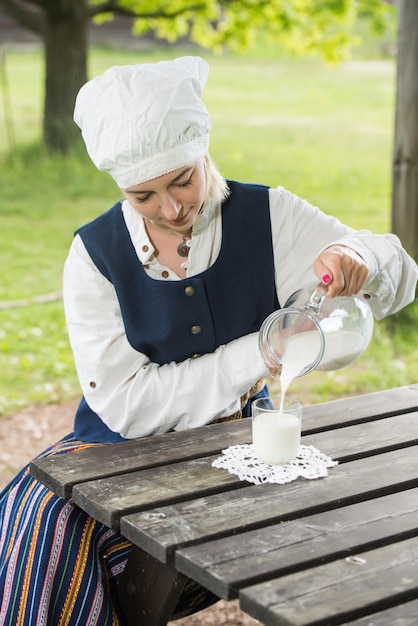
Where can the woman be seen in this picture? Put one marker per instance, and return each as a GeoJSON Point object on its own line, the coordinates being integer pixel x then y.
{"type": "Point", "coordinates": [164, 296]}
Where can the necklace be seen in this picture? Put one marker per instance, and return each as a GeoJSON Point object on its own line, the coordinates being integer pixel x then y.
{"type": "Point", "coordinates": [183, 248]}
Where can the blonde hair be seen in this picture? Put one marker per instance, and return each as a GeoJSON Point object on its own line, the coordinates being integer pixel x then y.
{"type": "Point", "coordinates": [217, 189]}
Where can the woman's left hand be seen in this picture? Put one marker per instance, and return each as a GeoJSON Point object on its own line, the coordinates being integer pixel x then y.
{"type": "Point", "coordinates": [342, 270]}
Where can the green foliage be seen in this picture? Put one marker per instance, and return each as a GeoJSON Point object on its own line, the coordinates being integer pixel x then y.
{"type": "Point", "coordinates": [324, 132]}
{"type": "Point", "coordinates": [303, 27]}
{"type": "Point", "coordinates": [380, 15]}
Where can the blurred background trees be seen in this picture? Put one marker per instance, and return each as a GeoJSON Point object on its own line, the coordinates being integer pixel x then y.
{"type": "Point", "coordinates": [305, 27]}
{"type": "Point", "coordinates": [323, 130]}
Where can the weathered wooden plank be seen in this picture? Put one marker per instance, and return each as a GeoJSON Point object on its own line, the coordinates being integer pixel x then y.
{"type": "Point", "coordinates": [355, 441]}
{"type": "Point", "coordinates": [162, 530]}
{"type": "Point", "coordinates": [401, 615]}
{"type": "Point", "coordinates": [340, 591]}
{"type": "Point", "coordinates": [226, 565]}
{"type": "Point", "coordinates": [61, 473]}
{"type": "Point", "coordinates": [361, 408]}
{"type": "Point", "coordinates": [107, 499]}
{"type": "Point", "coordinates": [148, 590]}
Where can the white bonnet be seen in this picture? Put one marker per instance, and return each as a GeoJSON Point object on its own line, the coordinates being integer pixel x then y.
{"type": "Point", "coordinates": [142, 121]}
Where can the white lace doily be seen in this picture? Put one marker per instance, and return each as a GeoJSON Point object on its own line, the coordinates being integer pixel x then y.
{"type": "Point", "coordinates": [241, 460]}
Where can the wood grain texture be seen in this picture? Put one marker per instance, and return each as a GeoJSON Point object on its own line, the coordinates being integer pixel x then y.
{"type": "Point", "coordinates": [61, 473]}
{"type": "Point", "coordinates": [227, 565]}
{"type": "Point", "coordinates": [164, 529]}
{"type": "Point", "coordinates": [340, 591]}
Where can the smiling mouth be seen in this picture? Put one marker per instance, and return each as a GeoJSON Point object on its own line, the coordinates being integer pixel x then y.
{"type": "Point", "coordinates": [181, 220]}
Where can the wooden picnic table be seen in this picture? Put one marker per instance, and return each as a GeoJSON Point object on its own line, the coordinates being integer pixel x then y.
{"type": "Point", "coordinates": [336, 550]}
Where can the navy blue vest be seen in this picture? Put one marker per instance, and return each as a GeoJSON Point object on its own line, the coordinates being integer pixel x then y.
{"type": "Point", "coordinates": [228, 300]}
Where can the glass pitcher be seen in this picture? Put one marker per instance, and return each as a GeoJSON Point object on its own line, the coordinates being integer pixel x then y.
{"type": "Point", "coordinates": [316, 332]}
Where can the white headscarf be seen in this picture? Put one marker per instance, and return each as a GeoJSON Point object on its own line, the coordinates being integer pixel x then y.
{"type": "Point", "coordinates": [142, 121]}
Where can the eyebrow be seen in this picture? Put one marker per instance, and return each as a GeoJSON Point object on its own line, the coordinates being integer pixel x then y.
{"type": "Point", "coordinates": [144, 191]}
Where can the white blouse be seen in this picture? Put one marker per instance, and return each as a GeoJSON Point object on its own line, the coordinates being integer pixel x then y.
{"type": "Point", "coordinates": [135, 397]}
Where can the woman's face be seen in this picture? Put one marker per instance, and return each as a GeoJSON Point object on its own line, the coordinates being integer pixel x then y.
{"type": "Point", "coordinates": [172, 201]}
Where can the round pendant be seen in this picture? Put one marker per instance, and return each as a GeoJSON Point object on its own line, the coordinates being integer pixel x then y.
{"type": "Point", "coordinates": [183, 249]}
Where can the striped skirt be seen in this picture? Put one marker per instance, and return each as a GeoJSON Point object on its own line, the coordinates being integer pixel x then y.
{"type": "Point", "coordinates": [60, 567]}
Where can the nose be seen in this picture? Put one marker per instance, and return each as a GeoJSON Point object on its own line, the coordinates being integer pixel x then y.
{"type": "Point", "coordinates": [169, 206]}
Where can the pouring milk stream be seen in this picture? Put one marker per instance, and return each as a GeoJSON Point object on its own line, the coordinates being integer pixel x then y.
{"type": "Point", "coordinates": [316, 332]}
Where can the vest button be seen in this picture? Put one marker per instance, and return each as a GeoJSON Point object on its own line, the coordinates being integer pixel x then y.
{"type": "Point", "coordinates": [189, 291]}
{"type": "Point", "coordinates": [164, 274]}
{"type": "Point", "coordinates": [196, 330]}
{"type": "Point", "coordinates": [196, 356]}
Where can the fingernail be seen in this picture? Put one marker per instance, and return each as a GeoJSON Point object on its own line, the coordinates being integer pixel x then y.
{"type": "Point", "coordinates": [326, 278]}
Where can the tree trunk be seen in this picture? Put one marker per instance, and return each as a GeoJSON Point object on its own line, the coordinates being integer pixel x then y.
{"type": "Point", "coordinates": [405, 158]}
{"type": "Point", "coordinates": [66, 46]}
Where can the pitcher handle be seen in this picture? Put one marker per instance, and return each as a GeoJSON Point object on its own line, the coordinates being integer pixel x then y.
{"type": "Point", "coordinates": [315, 301]}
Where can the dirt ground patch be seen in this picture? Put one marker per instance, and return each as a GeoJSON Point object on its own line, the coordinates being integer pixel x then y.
{"type": "Point", "coordinates": [29, 432]}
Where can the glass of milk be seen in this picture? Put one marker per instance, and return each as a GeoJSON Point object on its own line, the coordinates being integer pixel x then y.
{"type": "Point", "coordinates": [276, 429]}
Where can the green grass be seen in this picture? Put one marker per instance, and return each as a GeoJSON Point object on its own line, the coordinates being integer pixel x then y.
{"type": "Point", "coordinates": [323, 132]}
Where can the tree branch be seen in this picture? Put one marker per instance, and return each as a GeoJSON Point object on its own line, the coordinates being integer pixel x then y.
{"type": "Point", "coordinates": [30, 18]}
{"type": "Point", "coordinates": [113, 7]}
